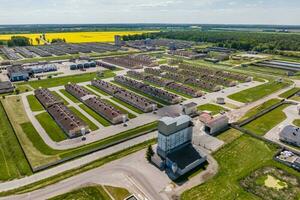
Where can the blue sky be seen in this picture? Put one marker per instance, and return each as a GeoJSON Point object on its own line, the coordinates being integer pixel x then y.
{"type": "Point", "coordinates": [153, 11]}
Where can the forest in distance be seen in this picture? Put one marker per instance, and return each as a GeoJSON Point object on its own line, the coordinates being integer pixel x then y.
{"type": "Point", "coordinates": [248, 41]}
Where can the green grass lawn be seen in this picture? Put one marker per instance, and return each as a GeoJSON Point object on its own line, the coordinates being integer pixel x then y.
{"type": "Point", "coordinates": [23, 88]}
{"type": "Point", "coordinates": [296, 122]}
{"type": "Point", "coordinates": [268, 121]}
{"type": "Point", "coordinates": [256, 93]}
{"type": "Point", "coordinates": [51, 127]}
{"type": "Point", "coordinates": [69, 96]}
{"type": "Point", "coordinates": [98, 90]}
{"type": "Point", "coordinates": [117, 193]}
{"type": "Point", "coordinates": [53, 82]}
{"type": "Point", "coordinates": [95, 115]}
{"type": "Point", "coordinates": [130, 115]}
{"type": "Point", "coordinates": [91, 192]}
{"type": "Point", "coordinates": [92, 126]}
{"type": "Point", "coordinates": [134, 109]}
{"type": "Point", "coordinates": [13, 163]}
{"type": "Point", "coordinates": [60, 97]}
{"type": "Point", "coordinates": [236, 160]}
{"type": "Point", "coordinates": [229, 135]}
{"type": "Point", "coordinates": [34, 103]}
{"type": "Point", "coordinates": [289, 93]}
{"type": "Point", "coordinates": [214, 109]}
{"type": "Point", "coordinates": [260, 108]}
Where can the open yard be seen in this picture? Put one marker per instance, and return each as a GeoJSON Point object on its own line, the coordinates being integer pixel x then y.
{"type": "Point", "coordinates": [236, 161]}
{"type": "Point", "coordinates": [256, 93]}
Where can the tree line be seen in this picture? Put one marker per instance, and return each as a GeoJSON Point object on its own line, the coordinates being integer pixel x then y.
{"type": "Point", "coordinates": [256, 41]}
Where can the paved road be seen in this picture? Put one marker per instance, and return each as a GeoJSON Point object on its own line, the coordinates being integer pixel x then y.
{"type": "Point", "coordinates": [132, 172]}
{"type": "Point", "coordinates": [74, 163]}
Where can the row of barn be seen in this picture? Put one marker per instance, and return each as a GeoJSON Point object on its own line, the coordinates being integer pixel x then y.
{"type": "Point", "coordinates": [110, 113]}
{"type": "Point", "coordinates": [71, 124]}
{"type": "Point", "coordinates": [150, 90]}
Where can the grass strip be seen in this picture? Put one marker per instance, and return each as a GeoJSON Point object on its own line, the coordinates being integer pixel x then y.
{"type": "Point", "coordinates": [95, 115]}
{"type": "Point", "coordinates": [69, 96]}
{"type": "Point", "coordinates": [34, 103]}
{"type": "Point", "coordinates": [91, 125]}
{"type": "Point", "coordinates": [51, 127]}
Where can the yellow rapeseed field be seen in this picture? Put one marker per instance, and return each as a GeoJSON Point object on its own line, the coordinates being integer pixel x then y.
{"type": "Point", "coordinates": [77, 37]}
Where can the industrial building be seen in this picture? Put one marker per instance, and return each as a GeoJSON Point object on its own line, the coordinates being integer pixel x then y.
{"type": "Point", "coordinates": [36, 69]}
{"type": "Point", "coordinates": [285, 65]}
{"type": "Point", "coordinates": [82, 65]}
{"type": "Point", "coordinates": [6, 87]}
{"type": "Point", "coordinates": [18, 73]}
{"type": "Point", "coordinates": [291, 135]}
{"type": "Point", "coordinates": [175, 149]}
{"type": "Point", "coordinates": [72, 125]}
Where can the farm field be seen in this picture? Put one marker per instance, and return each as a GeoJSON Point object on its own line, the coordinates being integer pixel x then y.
{"type": "Point", "coordinates": [77, 37]}
{"type": "Point", "coordinates": [236, 161]}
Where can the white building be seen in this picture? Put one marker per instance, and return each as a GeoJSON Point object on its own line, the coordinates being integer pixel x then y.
{"type": "Point", "coordinates": [175, 146]}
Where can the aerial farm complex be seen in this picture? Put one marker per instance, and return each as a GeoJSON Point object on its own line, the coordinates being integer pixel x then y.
{"type": "Point", "coordinates": [149, 118]}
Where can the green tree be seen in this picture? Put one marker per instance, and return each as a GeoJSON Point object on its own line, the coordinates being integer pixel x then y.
{"type": "Point", "coordinates": [149, 153]}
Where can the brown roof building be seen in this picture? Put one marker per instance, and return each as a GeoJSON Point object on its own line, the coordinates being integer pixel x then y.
{"type": "Point", "coordinates": [107, 111]}
{"type": "Point", "coordinates": [129, 97]}
{"type": "Point", "coordinates": [72, 125]}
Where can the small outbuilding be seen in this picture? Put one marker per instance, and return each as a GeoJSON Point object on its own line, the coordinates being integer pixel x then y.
{"type": "Point", "coordinates": [214, 124]}
{"type": "Point", "coordinates": [190, 109]}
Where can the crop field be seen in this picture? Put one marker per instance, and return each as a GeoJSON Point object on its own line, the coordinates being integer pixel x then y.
{"type": "Point", "coordinates": [76, 37]}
